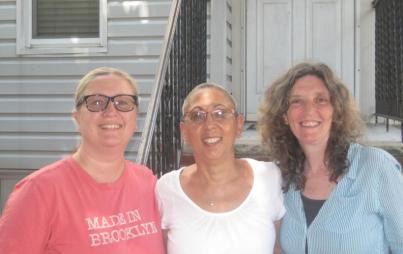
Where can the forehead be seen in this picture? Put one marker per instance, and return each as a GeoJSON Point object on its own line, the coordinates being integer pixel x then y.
{"type": "Point", "coordinates": [110, 82]}
{"type": "Point", "coordinates": [309, 84]}
{"type": "Point", "coordinates": [209, 97]}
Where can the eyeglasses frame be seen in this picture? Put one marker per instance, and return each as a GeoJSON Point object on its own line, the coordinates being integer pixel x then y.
{"type": "Point", "coordinates": [110, 99]}
{"type": "Point", "coordinates": [234, 112]}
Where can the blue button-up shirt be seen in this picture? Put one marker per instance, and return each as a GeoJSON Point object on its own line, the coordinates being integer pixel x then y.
{"type": "Point", "coordinates": [363, 214]}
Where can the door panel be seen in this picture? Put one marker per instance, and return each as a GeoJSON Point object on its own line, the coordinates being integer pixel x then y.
{"type": "Point", "coordinates": [281, 33]}
{"type": "Point", "coordinates": [274, 19]}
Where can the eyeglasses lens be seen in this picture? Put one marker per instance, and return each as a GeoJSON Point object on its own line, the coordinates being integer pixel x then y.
{"type": "Point", "coordinates": [197, 116]}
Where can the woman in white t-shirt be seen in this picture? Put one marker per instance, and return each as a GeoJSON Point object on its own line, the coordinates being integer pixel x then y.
{"type": "Point", "coordinates": [220, 204]}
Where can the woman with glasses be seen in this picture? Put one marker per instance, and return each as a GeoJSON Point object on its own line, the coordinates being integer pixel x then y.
{"type": "Point", "coordinates": [220, 204]}
{"type": "Point", "coordinates": [93, 201]}
{"type": "Point", "coordinates": [341, 197]}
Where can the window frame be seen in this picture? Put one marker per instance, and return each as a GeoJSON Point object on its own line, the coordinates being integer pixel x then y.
{"type": "Point", "coordinates": [26, 45]}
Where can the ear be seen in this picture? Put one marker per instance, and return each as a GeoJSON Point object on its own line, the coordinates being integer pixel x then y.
{"type": "Point", "coordinates": [184, 133]}
{"type": "Point", "coordinates": [240, 123]}
{"type": "Point", "coordinates": [76, 119]}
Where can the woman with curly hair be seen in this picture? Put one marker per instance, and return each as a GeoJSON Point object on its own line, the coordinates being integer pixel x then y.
{"type": "Point", "coordinates": [340, 196]}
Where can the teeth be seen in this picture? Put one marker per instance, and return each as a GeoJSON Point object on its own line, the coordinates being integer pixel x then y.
{"type": "Point", "coordinates": [310, 123]}
{"type": "Point", "coordinates": [110, 126]}
{"type": "Point", "coordinates": [211, 140]}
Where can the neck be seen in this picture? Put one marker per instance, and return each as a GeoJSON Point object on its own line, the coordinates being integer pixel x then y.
{"type": "Point", "coordinates": [219, 173]}
{"type": "Point", "coordinates": [314, 158]}
{"type": "Point", "coordinates": [103, 169]}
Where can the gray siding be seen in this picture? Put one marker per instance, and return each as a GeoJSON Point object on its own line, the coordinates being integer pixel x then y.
{"type": "Point", "coordinates": [228, 34]}
{"type": "Point", "coordinates": [36, 93]}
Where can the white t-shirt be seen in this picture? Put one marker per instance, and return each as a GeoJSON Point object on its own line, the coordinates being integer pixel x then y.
{"type": "Point", "coordinates": [247, 229]}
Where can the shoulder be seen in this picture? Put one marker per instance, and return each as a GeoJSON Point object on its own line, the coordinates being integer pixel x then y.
{"type": "Point", "coordinates": [168, 185]}
{"type": "Point", "coordinates": [141, 171]}
{"type": "Point", "coordinates": [49, 174]}
{"type": "Point", "coordinates": [266, 173]}
{"type": "Point", "coordinates": [169, 179]}
{"type": "Point", "coordinates": [43, 184]}
{"type": "Point", "coordinates": [372, 158]}
{"type": "Point", "coordinates": [263, 167]}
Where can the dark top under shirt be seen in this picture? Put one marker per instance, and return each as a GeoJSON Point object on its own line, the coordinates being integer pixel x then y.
{"type": "Point", "coordinates": [311, 209]}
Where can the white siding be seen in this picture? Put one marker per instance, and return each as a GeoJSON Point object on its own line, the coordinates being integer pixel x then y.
{"type": "Point", "coordinates": [36, 92]}
{"type": "Point", "coordinates": [219, 44]}
{"type": "Point", "coordinates": [228, 48]}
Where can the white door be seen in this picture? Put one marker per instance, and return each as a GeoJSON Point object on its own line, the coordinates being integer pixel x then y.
{"type": "Point", "coordinates": [281, 33]}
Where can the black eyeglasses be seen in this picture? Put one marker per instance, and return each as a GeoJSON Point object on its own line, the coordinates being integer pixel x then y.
{"type": "Point", "coordinates": [199, 116]}
{"type": "Point", "coordinates": [99, 102]}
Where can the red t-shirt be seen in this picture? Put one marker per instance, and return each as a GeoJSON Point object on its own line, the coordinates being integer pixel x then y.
{"type": "Point", "coordinates": [61, 209]}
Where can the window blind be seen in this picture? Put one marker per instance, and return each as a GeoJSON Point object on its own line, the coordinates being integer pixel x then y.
{"type": "Point", "coordinates": [65, 18]}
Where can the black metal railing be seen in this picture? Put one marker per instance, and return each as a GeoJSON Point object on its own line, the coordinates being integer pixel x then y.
{"type": "Point", "coordinates": [182, 66]}
{"type": "Point", "coordinates": [389, 59]}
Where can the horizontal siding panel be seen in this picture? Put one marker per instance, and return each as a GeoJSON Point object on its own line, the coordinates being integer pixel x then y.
{"type": "Point", "coordinates": [50, 143]}
{"type": "Point", "coordinates": [42, 143]}
{"type": "Point", "coordinates": [7, 49]}
{"type": "Point", "coordinates": [36, 161]}
{"type": "Point", "coordinates": [140, 9]}
{"type": "Point", "coordinates": [38, 124]}
{"type": "Point", "coordinates": [7, 31]}
{"type": "Point", "coordinates": [36, 105]}
{"type": "Point", "coordinates": [44, 125]}
{"type": "Point", "coordinates": [136, 29]}
{"type": "Point", "coordinates": [7, 12]}
{"type": "Point", "coordinates": [134, 48]}
{"type": "Point", "coordinates": [31, 86]}
{"type": "Point", "coordinates": [46, 105]}
{"type": "Point", "coordinates": [44, 67]}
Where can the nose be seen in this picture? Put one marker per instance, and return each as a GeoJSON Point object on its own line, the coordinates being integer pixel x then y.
{"type": "Point", "coordinates": [309, 106]}
{"type": "Point", "coordinates": [110, 107]}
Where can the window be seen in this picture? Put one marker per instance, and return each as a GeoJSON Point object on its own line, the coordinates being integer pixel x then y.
{"type": "Point", "coordinates": [61, 26]}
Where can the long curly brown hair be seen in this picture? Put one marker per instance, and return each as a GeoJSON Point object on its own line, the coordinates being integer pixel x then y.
{"type": "Point", "coordinates": [283, 146]}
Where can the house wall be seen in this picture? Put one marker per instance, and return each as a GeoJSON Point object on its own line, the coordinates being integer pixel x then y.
{"type": "Point", "coordinates": [36, 92]}
{"type": "Point", "coordinates": [219, 49]}
{"type": "Point", "coordinates": [366, 56]}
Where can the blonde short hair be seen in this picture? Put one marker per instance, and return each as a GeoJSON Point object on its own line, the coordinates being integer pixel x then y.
{"type": "Point", "coordinates": [101, 71]}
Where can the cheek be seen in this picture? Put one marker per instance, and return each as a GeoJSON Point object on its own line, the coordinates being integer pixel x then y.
{"type": "Point", "coordinates": [290, 116]}
{"type": "Point", "coordinates": [328, 114]}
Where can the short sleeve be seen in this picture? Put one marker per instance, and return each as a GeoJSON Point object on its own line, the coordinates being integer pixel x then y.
{"type": "Point", "coordinates": [24, 225]}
